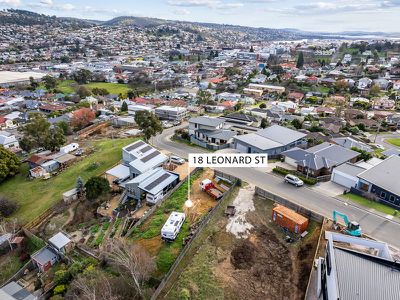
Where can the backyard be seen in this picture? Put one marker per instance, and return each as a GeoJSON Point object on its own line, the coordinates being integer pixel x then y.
{"type": "Point", "coordinates": [148, 234]}
{"type": "Point", "coordinates": [36, 196]}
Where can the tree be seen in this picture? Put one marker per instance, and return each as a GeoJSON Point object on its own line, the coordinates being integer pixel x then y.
{"type": "Point", "coordinates": [38, 133]}
{"type": "Point", "coordinates": [132, 260]}
{"type": "Point", "coordinates": [49, 82]}
{"type": "Point", "coordinates": [341, 85]}
{"type": "Point", "coordinates": [80, 187]}
{"type": "Point", "coordinates": [364, 155]}
{"type": "Point", "coordinates": [238, 106]}
{"type": "Point", "coordinates": [95, 187]}
{"type": "Point", "coordinates": [124, 106]}
{"type": "Point", "coordinates": [132, 94]}
{"type": "Point", "coordinates": [296, 123]}
{"type": "Point", "coordinates": [9, 163]}
{"type": "Point", "coordinates": [300, 60]}
{"type": "Point", "coordinates": [83, 92]}
{"type": "Point", "coordinates": [65, 127]}
{"type": "Point", "coordinates": [33, 84]}
{"type": "Point", "coordinates": [375, 90]}
{"type": "Point", "coordinates": [264, 123]}
{"type": "Point", "coordinates": [262, 106]}
{"type": "Point", "coordinates": [82, 118]}
{"type": "Point", "coordinates": [203, 97]}
{"type": "Point", "coordinates": [7, 207]}
{"type": "Point", "coordinates": [148, 123]}
{"type": "Point", "coordinates": [82, 76]}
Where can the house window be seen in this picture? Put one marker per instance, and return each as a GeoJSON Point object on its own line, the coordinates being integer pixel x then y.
{"type": "Point", "coordinates": [392, 198]}
{"type": "Point", "coordinates": [383, 195]}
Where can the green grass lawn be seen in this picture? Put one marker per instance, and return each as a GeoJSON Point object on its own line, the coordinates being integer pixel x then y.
{"type": "Point", "coordinates": [36, 196]}
{"type": "Point", "coordinates": [371, 204]}
{"type": "Point", "coordinates": [395, 142]}
{"type": "Point", "coordinates": [66, 86]}
{"type": "Point", "coordinates": [112, 88]}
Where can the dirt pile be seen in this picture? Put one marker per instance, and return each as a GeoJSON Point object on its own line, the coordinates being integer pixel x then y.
{"type": "Point", "coordinates": [242, 257]}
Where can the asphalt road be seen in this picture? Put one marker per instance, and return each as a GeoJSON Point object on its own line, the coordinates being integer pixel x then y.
{"type": "Point", "coordinates": [381, 139]}
{"type": "Point", "coordinates": [372, 224]}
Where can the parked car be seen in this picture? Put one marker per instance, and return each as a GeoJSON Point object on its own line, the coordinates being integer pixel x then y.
{"type": "Point", "coordinates": [293, 180]}
{"type": "Point", "coordinates": [177, 160]}
{"type": "Point", "coordinates": [379, 146]}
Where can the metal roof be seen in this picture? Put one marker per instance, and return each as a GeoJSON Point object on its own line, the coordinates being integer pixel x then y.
{"type": "Point", "coordinates": [13, 291]}
{"type": "Point", "coordinates": [207, 121]}
{"type": "Point", "coordinates": [258, 141]}
{"type": "Point", "coordinates": [44, 255]}
{"type": "Point", "coordinates": [59, 240]}
{"type": "Point", "coordinates": [157, 181]}
{"type": "Point", "coordinates": [385, 175]}
{"type": "Point", "coordinates": [120, 171]}
{"type": "Point", "coordinates": [281, 134]}
{"type": "Point", "coordinates": [362, 277]}
{"type": "Point", "coordinates": [350, 169]}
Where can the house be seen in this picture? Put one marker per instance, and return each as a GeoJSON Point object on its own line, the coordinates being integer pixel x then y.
{"type": "Point", "coordinates": [13, 291]}
{"type": "Point", "coordinates": [272, 140]}
{"type": "Point", "coordinates": [346, 174]}
{"type": "Point", "coordinates": [295, 96]}
{"type": "Point", "coordinates": [45, 258]}
{"type": "Point", "coordinates": [368, 124]}
{"type": "Point", "coordinates": [60, 242]}
{"type": "Point", "coordinates": [210, 132]}
{"type": "Point", "coordinates": [8, 141]}
{"type": "Point", "coordinates": [364, 83]}
{"type": "Point", "coordinates": [348, 143]}
{"type": "Point", "coordinates": [384, 103]}
{"type": "Point", "coordinates": [267, 88]}
{"type": "Point", "coordinates": [140, 157]}
{"type": "Point", "coordinates": [382, 181]}
{"type": "Point", "coordinates": [320, 159]}
{"type": "Point", "coordinates": [171, 113]}
{"type": "Point", "coordinates": [241, 119]}
{"type": "Point", "coordinates": [356, 268]}
{"type": "Point", "coordinates": [253, 92]}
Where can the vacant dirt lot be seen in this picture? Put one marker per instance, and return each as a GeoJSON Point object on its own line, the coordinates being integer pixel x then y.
{"type": "Point", "coordinates": [256, 265]}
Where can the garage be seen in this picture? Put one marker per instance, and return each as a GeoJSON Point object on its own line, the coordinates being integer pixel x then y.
{"type": "Point", "coordinates": [242, 148]}
{"type": "Point", "coordinates": [346, 175]}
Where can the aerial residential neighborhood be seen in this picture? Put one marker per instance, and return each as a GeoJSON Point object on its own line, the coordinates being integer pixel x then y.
{"type": "Point", "coordinates": [115, 126]}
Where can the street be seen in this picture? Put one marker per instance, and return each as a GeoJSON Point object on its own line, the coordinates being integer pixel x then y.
{"type": "Point", "coordinates": [372, 224]}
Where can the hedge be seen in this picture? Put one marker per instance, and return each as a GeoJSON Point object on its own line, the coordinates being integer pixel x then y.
{"type": "Point", "coordinates": [309, 181]}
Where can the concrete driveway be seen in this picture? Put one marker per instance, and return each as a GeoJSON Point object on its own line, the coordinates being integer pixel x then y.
{"type": "Point", "coordinates": [329, 188]}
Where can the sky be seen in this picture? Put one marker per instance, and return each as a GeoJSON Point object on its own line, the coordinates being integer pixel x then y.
{"type": "Point", "coordinates": [320, 15]}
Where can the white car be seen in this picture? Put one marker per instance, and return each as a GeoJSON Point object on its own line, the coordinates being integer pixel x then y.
{"type": "Point", "coordinates": [294, 180]}
{"type": "Point", "coordinates": [177, 160]}
{"type": "Point", "coordinates": [379, 146]}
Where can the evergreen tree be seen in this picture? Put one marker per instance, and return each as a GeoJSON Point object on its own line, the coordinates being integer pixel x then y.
{"type": "Point", "coordinates": [300, 61]}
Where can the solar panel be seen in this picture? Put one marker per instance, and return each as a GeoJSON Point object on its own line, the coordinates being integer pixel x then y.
{"type": "Point", "coordinates": [146, 149]}
{"type": "Point", "coordinates": [157, 182]}
{"type": "Point", "coordinates": [150, 156]}
{"type": "Point", "coordinates": [134, 146]}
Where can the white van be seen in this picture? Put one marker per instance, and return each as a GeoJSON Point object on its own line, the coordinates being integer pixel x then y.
{"type": "Point", "coordinates": [173, 225]}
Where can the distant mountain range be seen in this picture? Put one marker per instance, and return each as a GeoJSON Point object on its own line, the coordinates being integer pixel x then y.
{"type": "Point", "coordinates": [22, 17]}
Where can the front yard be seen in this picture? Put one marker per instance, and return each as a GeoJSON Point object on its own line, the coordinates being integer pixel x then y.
{"type": "Point", "coordinates": [395, 142]}
{"type": "Point", "coordinates": [371, 204]}
{"type": "Point", "coordinates": [36, 196]}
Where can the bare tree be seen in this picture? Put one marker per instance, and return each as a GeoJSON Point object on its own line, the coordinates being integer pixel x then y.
{"type": "Point", "coordinates": [9, 227]}
{"type": "Point", "coordinates": [92, 285]}
{"type": "Point", "coordinates": [133, 259]}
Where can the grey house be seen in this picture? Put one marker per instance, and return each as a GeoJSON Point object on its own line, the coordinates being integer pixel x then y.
{"type": "Point", "coordinates": [321, 159]}
{"type": "Point", "coordinates": [382, 180]}
{"type": "Point", "coordinates": [272, 140]}
{"type": "Point", "coordinates": [210, 133]}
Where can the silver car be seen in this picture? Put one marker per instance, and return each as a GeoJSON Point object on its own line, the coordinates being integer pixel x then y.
{"type": "Point", "coordinates": [294, 180]}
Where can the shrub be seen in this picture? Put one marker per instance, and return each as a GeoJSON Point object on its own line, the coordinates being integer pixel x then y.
{"type": "Point", "coordinates": [95, 187]}
{"type": "Point", "coordinates": [59, 289]}
{"type": "Point", "coordinates": [62, 277]}
{"type": "Point", "coordinates": [7, 207]}
{"type": "Point", "coordinates": [184, 294]}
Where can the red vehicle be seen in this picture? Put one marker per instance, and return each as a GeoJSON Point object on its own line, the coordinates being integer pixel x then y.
{"type": "Point", "coordinates": [208, 186]}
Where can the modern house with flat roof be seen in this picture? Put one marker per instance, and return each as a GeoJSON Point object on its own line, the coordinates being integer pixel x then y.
{"type": "Point", "coordinates": [272, 140]}
{"type": "Point", "coordinates": [171, 113]}
{"type": "Point", "coordinates": [210, 133]}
